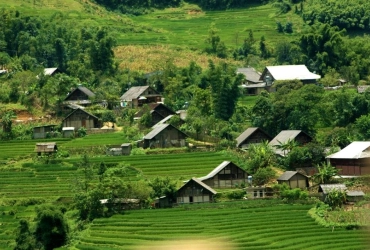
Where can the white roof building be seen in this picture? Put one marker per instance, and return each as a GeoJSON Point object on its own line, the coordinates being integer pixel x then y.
{"type": "Point", "coordinates": [289, 72]}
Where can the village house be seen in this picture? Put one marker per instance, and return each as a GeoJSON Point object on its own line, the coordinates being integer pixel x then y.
{"type": "Point", "coordinates": [252, 136]}
{"type": "Point", "coordinates": [294, 179]}
{"type": "Point", "coordinates": [252, 84]}
{"type": "Point", "coordinates": [80, 97]}
{"type": "Point", "coordinates": [287, 73]}
{"type": "Point", "coordinates": [80, 118]}
{"type": "Point", "coordinates": [353, 160]}
{"type": "Point", "coordinates": [164, 136]}
{"type": "Point", "coordinates": [225, 175]}
{"type": "Point", "coordinates": [285, 136]}
{"type": "Point", "coordinates": [195, 191]}
{"type": "Point", "coordinates": [46, 148]}
{"type": "Point", "coordinates": [44, 131]}
{"type": "Point", "coordinates": [140, 95]}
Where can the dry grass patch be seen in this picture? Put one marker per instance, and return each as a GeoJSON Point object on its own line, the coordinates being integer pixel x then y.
{"type": "Point", "coordinates": [155, 57]}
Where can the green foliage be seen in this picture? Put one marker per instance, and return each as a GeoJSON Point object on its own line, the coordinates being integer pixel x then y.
{"type": "Point", "coordinates": [335, 198]}
{"type": "Point", "coordinates": [217, 47]}
{"type": "Point", "coordinates": [352, 15]}
{"type": "Point", "coordinates": [309, 155]}
{"type": "Point", "coordinates": [260, 156]}
{"type": "Point", "coordinates": [263, 175]}
{"type": "Point", "coordinates": [82, 132]}
{"type": "Point", "coordinates": [24, 237]}
{"type": "Point", "coordinates": [235, 195]}
{"type": "Point", "coordinates": [51, 227]}
{"type": "Point", "coordinates": [325, 173]}
{"type": "Point", "coordinates": [163, 186]}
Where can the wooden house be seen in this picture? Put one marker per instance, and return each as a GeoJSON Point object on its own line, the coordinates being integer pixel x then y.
{"type": "Point", "coordinates": [294, 179]}
{"type": "Point", "coordinates": [195, 191]}
{"type": "Point", "coordinates": [225, 175]}
{"type": "Point", "coordinates": [252, 136]}
{"type": "Point", "coordinates": [140, 95]}
{"type": "Point", "coordinates": [80, 118]}
{"type": "Point", "coordinates": [45, 131]}
{"type": "Point", "coordinates": [46, 148]}
{"type": "Point", "coordinates": [288, 73]}
{"type": "Point", "coordinates": [353, 160]}
{"type": "Point", "coordinates": [285, 136]}
{"type": "Point", "coordinates": [164, 136]}
{"type": "Point", "coordinates": [253, 84]}
{"type": "Point", "coordinates": [80, 96]}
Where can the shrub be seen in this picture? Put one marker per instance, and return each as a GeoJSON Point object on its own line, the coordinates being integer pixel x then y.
{"type": "Point", "coordinates": [236, 195]}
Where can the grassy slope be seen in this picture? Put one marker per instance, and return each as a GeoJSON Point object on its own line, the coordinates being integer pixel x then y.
{"type": "Point", "coordinates": [174, 29]}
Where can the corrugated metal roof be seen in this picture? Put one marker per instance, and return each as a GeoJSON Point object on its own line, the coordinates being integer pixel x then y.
{"type": "Point", "coordinates": [82, 111]}
{"type": "Point", "coordinates": [68, 128]}
{"type": "Point", "coordinates": [133, 93]}
{"type": "Point", "coordinates": [355, 150]}
{"type": "Point", "coordinates": [164, 120]}
{"type": "Point", "coordinates": [291, 72]}
{"type": "Point", "coordinates": [49, 71]}
{"type": "Point", "coordinates": [243, 136]}
{"type": "Point", "coordinates": [287, 175]}
{"type": "Point", "coordinates": [203, 185]}
{"type": "Point", "coordinates": [327, 188]}
{"type": "Point", "coordinates": [250, 74]}
{"type": "Point", "coordinates": [355, 193]}
{"type": "Point", "coordinates": [215, 171]}
{"type": "Point", "coordinates": [284, 136]}
{"type": "Point", "coordinates": [255, 85]}
{"type": "Point", "coordinates": [156, 130]}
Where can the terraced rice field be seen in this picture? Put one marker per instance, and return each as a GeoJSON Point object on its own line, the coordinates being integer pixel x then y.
{"type": "Point", "coordinates": [55, 180]}
{"type": "Point", "coordinates": [233, 226]}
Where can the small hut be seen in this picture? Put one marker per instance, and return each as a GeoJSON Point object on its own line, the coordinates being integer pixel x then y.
{"type": "Point", "coordinates": [41, 132]}
{"type": "Point", "coordinates": [46, 148]}
{"type": "Point", "coordinates": [195, 191]}
{"type": "Point", "coordinates": [294, 179]}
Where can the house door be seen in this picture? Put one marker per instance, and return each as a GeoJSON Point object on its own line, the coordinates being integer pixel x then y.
{"type": "Point", "coordinates": [83, 123]}
{"type": "Point", "coordinates": [191, 199]}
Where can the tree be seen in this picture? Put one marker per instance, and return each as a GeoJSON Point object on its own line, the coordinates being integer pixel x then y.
{"type": "Point", "coordinates": [335, 198]}
{"type": "Point", "coordinates": [260, 156]}
{"type": "Point", "coordinates": [24, 237]}
{"type": "Point", "coordinates": [265, 53]}
{"type": "Point", "coordinates": [51, 227]}
{"type": "Point", "coordinates": [163, 186]}
{"type": "Point", "coordinates": [7, 122]}
{"type": "Point", "coordinates": [217, 46]}
{"type": "Point", "coordinates": [325, 173]}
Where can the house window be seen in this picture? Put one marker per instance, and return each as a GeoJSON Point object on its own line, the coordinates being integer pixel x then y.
{"type": "Point", "coordinates": [261, 193]}
{"type": "Point", "coordinates": [255, 193]}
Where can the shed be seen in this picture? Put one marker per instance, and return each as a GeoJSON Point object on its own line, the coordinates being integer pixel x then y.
{"type": "Point", "coordinates": [353, 160]}
{"type": "Point", "coordinates": [252, 135]}
{"type": "Point", "coordinates": [253, 84]}
{"type": "Point", "coordinates": [68, 132]}
{"type": "Point", "coordinates": [80, 118]}
{"type": "Point", "coordinates": [288, 72]}
{"type": "Point", "coordinates": [139, 95]}
{"type": "Point", "coordinates": [126, 148]}
{"type": "Point", "coordinates": [164, 136]}
{"type": "Point", "coordinates": [123, 149]}
{"type": "Point", "coordinates": [46, 148]}
{"type": "Point", "coordinates": [327, 188]}
{"type": "Point", "coordinates": [44, 131]}
{"type": "Point", "coordinates": [354, 195]}
{"type": "Point", "coordinates": [294, 179]}
{"type": "Point", "coordinates": [285, 136]}
{"type": "Point", "coordinates": [225, 175]}
{"type": "Point", "coordinates": [195, 191]}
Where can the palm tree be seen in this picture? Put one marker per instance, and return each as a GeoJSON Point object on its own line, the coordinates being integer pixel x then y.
{"type": "Point", "coordinates": [325, 173]}
{"type": "Point", "coordinates": [287, 146]}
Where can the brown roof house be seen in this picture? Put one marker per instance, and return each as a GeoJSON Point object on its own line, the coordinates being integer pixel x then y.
{"type": "Point", "coordinates": [225, 175]}
{"type": "Point", "coordinates": [80, 118]}
{"type": "Point", "coordinates": [195, 191]}
{"type": "Point", "coordinates": [252, 136]}
{"type": "Point", "coordinates": [80, 97]}
{"type": "Point", "coordinates": [164, 136]}
{"type": "Point", "coordinates": [140, 95]}
{"type": "Point", "coordinates": [294, 179]}
{"type": "Point", "coordinates": [298, 136]}
{"type": "Point", "coordinates": [253, 84]}
{"type": "Point", "coordinates": [353, 160]}
{"type": "Point", "coordinates": [288, 72]}
{"type": "Point", "coordinates": [46, 148]}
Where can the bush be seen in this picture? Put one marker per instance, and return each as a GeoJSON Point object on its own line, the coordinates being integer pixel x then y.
{"type": "Point", "coordinates": [236, 195]}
